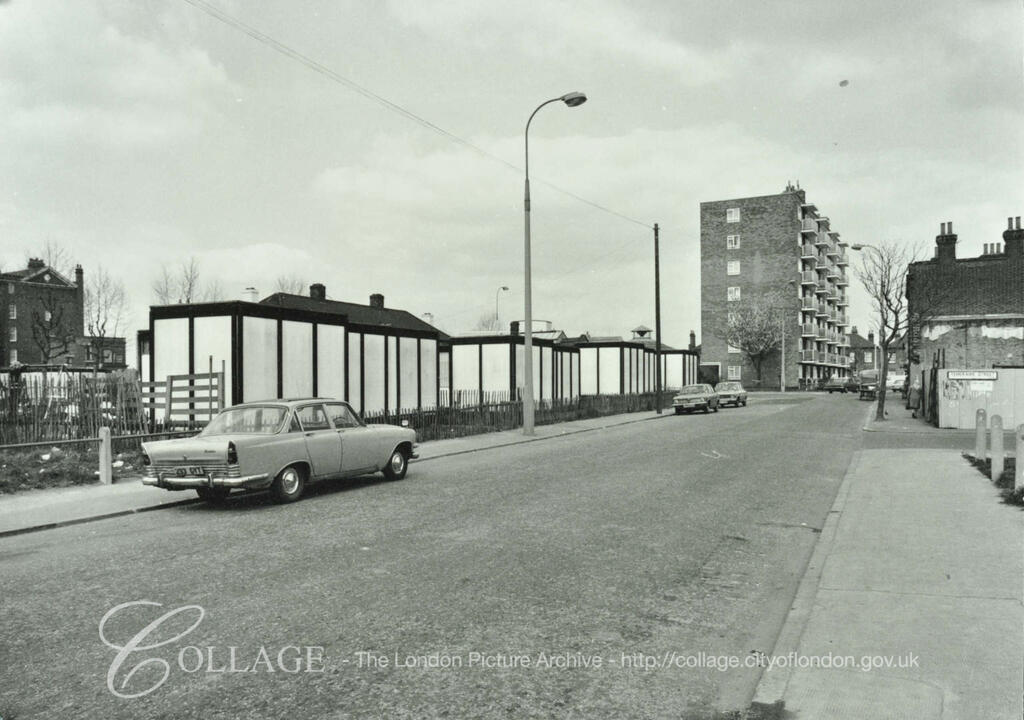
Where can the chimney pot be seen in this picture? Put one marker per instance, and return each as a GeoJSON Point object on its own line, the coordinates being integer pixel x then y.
{"type": "Point", "coordinates": [377, 301]}
{"type": "Point", "coordinates": [1018, 222]}
{"type": "Point", "coordinates": [514, 327]}
{"type": "Point", "coordinates": [1009, 223]}
{"type": "Point", "coordinates": [317, 291]}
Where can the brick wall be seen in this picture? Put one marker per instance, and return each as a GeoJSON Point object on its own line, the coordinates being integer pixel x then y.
{"type": "Point", "coordinates": [979, 344]}
{"type": "Point", "coordinates": [769, 230]}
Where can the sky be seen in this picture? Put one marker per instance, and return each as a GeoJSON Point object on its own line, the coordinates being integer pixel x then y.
{"type": "Point", "coordinates": [139, 135]}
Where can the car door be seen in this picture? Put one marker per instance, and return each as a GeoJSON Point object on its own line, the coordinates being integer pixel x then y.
{"type": "Point", "coordinates": [359, 447]}
{"type": "Point", "coordinates": [322, 443]}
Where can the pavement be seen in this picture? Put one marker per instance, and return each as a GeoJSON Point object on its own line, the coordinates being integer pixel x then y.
{"type": "Point", "coordinates": [918, 562]}
{"type": "Point", "coordinates": [36, 510]}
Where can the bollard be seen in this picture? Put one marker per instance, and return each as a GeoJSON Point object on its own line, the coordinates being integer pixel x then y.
{"type": "Point", "coordinates": [997, 447]}
{"type": "Point", "coordinates": [979, 435]}
{"type": "Point", "coordinates": [106, 469]}
{"type": "Point", "coordinates": [1018, 462]}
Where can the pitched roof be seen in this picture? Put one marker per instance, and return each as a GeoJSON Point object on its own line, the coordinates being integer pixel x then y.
{"type": "Point", "coordinates": [356, 313]}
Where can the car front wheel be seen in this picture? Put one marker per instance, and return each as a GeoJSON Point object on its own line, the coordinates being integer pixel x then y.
{"type": "Point", "coordinates": [397, 465]}
{"type": "Point", "coordinates": [288, 485]}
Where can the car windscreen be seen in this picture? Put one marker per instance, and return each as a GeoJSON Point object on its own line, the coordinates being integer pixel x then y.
{"type": "Point", "coordinates": [256, 420]}
{"type": "Point", "coordinates": [691, 389]}
{"type": "Point", "coordinates": [729, 386]}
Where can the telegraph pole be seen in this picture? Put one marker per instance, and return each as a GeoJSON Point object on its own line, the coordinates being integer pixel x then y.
{"type": "Point", "coordinates": [657, 322]}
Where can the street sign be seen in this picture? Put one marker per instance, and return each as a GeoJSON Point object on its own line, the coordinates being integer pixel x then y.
{"type": "Point", "coordinates": [972, 375]}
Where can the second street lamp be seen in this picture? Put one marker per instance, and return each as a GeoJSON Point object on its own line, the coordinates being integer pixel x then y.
{"type": "Point", "coordinates": [573, 99]}
{"type": "Point", "coordinates": [497, 318]}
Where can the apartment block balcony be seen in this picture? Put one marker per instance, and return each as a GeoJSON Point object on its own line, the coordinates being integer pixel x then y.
{"type": "Point", "coordinates": [820, 332]}
{"type": "Point", "coordinates": [842, 300]}
{"type": "Point", "coordinates": [832, 359]}
{"type": "Point", "coordinates": [822, 357]}
{"type": "Point", "coordinates": [808, 330]}
{"type": "Point", "coordinates": [844, 360]}
{"type": "Point", "coordinates": [822, 240]}
{"type": "Point", "coordinates": [833, 250]}
{"type": "Point", "coordinates": [809, 225]}
{"type": "Point", "coordinates": [822, 310]}
{"type": "Point", "coordinates": [843, 259]}
{"type": "Point", "coordinates": [833, 272]}
{"type": "Point", "coordinates": [808, 251]}
{"type": "Point", "coordinates": [844, 341]}
{"type": "Point", "coordinates": [843, 320]}
{"type": "Point", "coordinates": [808, 356]}
{"type": "Point", "coordinates": [842, 279]}
{"type": "Point", "coordinates": [808, 277]}
{"type": "Point", "coordinates": [821, 290]}
{"type": "Point", "coordinates": [808, 303]}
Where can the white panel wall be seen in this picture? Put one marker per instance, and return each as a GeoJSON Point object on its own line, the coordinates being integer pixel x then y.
{"type": "Point", "coordinates": [564, 368]}
{"type": "Point", "coordinates": [428, 373]}
{"type": "Point", "coordinates": [496, 369]}
{"type": "Point", "coordinates": [408, 371]}
{"type": "Point", "coordinates": [466, 368]}
{"type": "Point", "coordinates": [330, 361]}
{"type": "Point", "coordinates": [547, 389]}
{"type": "Point", "coordinates": [259, 358]}
{"type": "Point", "coordinates": [354, 380]}
{"type": "Point", "coordinates": [610, 370]}
{"type": "Point", "coordinates": [212, 338]}
{"type": "Point", "coordinates": [373, 372]}
{"type": "Point", "coordinates": [170, 346]}
{"type": "Point", "coordinates": [521, 373]}
{"type": "Point", "coordinates": [296, 358]}
{"type": "Point", "coordinates": [392, 371]}
{"type": "Point", "coordinates": [588, 371]}
{"type": "Point", "coordinates": [144, 370]}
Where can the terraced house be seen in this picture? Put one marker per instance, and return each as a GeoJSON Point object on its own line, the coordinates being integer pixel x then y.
{"type": "Point", "coordinates": [779, 247]}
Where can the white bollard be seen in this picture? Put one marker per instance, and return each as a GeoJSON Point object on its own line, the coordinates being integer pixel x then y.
{"type": "Point", "coordinates": [106, 470]}
{"type": "Point", "coordinates": [997, 447]}
{"type": "Point", "coordinates": [1018, 475]}
{"type": "Point", "coordinates": [979, 435]}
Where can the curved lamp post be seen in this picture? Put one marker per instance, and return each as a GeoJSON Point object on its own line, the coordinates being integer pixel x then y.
{"type": "Point", "coordinates": [573, 99]}
{"type": "Point", "coordinates": [497, 320]}
{"type": "Point", "coordinates": [875, 355]}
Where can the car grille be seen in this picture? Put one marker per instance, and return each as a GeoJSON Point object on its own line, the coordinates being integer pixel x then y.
{"type": "Point", "coordinates": [216, 469]}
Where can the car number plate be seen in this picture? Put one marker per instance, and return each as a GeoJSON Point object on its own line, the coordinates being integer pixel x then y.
{"type": "Point", "coordinates": [189, 472]}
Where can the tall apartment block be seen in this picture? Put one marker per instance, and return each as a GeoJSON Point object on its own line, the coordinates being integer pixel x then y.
{"type": "Point", "coordinates": [774, 246]}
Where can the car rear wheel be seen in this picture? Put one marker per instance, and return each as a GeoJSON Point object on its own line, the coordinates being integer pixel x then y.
{"type": "Point", "coordinates": [398, 465]}
{"type": "Point", "coordinates": [679, 411]}
{"type": "Point", "coordinates": [744, 403]}
{"type": "Point", "coordinates": [288, 485]}
{"type": "Point", "coordinates": [716, 408]}
{"type": "Point", "coordinates": [215, 495]}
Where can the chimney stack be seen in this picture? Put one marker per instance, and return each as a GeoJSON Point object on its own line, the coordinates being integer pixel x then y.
{"type": "Point", "coordinates": [693, 340]}
{"type": "Point", "coordinates": [317, 291]}
{"type": "Point", "coordinates": [871, 337]}
{"type": "Point", "coordinates": [514, 327]}
{"type": "Point", "coordinates": [1013, 238]}
{"type": "Point", "coordinates": [945, 243]}
{"type": "Point", "coordinates": [853, 330]}
{"type": "Point", "coordinates": [377, 301]}
{"type": "Point", "coordinates": [250, 294]}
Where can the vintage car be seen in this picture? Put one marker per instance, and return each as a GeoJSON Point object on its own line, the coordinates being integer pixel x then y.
{"type": "Point", "coordinates": [695, 397]}
{"type": "Point", "coordinates": [731, 393]}
{"type": "Point", "coordinates": [867, 386]}
{"type": "Point", "coordinates": [280, 445]}
{"type": "Point", "coordinates": [835, 383]}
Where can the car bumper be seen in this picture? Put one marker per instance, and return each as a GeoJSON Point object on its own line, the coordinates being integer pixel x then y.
{"type": "Point", "coordinates": [691, 405]}
{"type": "Point", "coordinates": [173, 482]}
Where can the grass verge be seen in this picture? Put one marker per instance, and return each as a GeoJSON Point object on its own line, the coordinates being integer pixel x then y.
{"type": "Point", "coordinates": [40, 468]}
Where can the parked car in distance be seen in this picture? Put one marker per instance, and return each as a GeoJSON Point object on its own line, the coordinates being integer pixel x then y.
{"type": "Point", "coordinates": [840, 384]}
{"type": "Point", "coordinates": [896, 382]}
{"type": "Point", "coordinates": [867, 384]}
{"type": "Point", "coordinates": [731, 392]}
{"type": "Point", "coordinates": [280, 445]}
{"type": "Point", "coordinates": [695, 397]}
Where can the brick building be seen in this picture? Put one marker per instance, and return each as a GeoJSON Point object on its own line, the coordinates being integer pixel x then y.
{"type": "Point", "coordinates": [42, 321]}
{"type": "Point", "coordinates": [969, 312]}
{"type": "Point", "coordinates": [862, 351]}
{"type": "Point", "coordinates": [778, 246]}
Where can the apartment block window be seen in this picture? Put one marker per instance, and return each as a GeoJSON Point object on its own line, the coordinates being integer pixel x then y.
{"type": "Point", "coordinates": [10, 289]}
{"type": "Point", "coordinates": [734, 349]}
{"type": "Point", "coordinates": [12, 311]}
{"type": "Point", "coordinates": [12, 335]}
{"type": "Point", "coordinates": [47, 316]}
{"type": "Point", "coordinates": [735, 372]}
{"type": "Point", "coordinates": [732, 215]}
{"type": "Point", "coordinates": [732, 267]}
{"type": "Point", "coordinates": [14, 356]}
{"type": "Point", "coordinates": [732, 242]}
{"type": "Point", "coordinates": [734, 294]}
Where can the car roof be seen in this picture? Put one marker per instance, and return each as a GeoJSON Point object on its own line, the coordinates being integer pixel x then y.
{"type": "Point", "coordinates": [289, 402]}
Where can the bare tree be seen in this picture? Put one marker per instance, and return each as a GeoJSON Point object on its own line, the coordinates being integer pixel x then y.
{"type": "Point", "coordinates": [58, 257]}
{"type": "Point", "coordinates": [53, 327]}
{"type": "Point", "coordinates": [488, 321]}
{"type": "Point", "coordinates": [293, 284]}
{"type": "Point", "coordinates": [753, 325]}
{"type": "Point", "coordinates": [105, 310]}
{"type": "Point", "coordinates": [183, 285]}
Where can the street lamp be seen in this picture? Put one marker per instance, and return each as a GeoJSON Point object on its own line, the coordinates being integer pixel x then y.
{"type": "Point", "coordinates": [875, 355]}
{"type": "Point", "coordinates": [496, 317]}
{"type": "Point", "coordinates": [573, 99]}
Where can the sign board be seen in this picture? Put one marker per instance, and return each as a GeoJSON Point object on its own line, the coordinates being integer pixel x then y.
{"type": "Point", "coordinates": [982, 386]}
{"type": "Point", "coordinates": [972, 375]}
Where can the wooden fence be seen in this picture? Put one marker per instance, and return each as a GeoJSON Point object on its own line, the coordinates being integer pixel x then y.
{"type": "Point", "coordinates": [470, 414]}
{"type": "Point", "coordinates": [57, 406]}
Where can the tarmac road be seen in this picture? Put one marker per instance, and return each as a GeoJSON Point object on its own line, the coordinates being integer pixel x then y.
{"type": "Point", "coordinates": [592, 557]}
